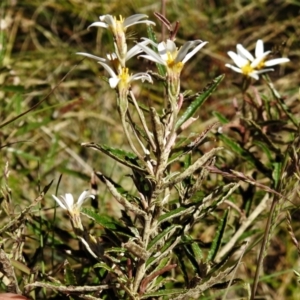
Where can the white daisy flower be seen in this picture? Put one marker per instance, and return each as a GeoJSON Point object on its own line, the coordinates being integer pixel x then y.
{"type": "Point", "coordinates": [112, 57]}
{"type": "Point", "coordinates": [260, 56]}
{"type": "Point", "coordinates": [118, 29]}
{"type": "Point", "coordinates": [169, 55]}
{"type": "Point", "coordinates": [251, 66]}
{"type": "Point", "coordinates": [67, 201]}
{"type": "Point", "coordinates": [111, 22]}
{"type": "Point", "coordinates": [123, 79]}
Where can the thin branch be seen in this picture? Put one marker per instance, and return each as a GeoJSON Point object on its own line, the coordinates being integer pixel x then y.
{"type": "Point", "coordinates": [143, 120]}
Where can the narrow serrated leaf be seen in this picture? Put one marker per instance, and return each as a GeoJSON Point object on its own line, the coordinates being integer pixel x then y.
{"type": "Point", "coordinates": [197, 251]}
{"type": "Point", "coordinates": [175, 213]}
{"type": "Point", "coordinates": [103, 220]}
{"type": "Point", "coordinates": [20, 266]}
{"type": "Point", "coordinates": [124, 157]}
{"type": "Point", "coordinates": [190, 111]}
{"type": "Point", "coordinates": [70, 278]}
{"type": "Point", "coordinates": [248, 156]}
{"type": "Point", "coordinates": [218, 238]}
{"type": "Point", "coordinates": [264, 148]}
{"type": "Point", "coordinates": [276, 174]}
{"type": "Point", "coordinates": [220, 117]}
{"type": "Point", "coordinates": [161, 236]}
{"type": "Point", "coordinates": [165, 292]}
{"type": "Point", "coordinates": [103, 266]}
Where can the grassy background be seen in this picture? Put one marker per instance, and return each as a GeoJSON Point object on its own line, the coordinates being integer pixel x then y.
{"type": "Point", "coordinates": [39, 40]}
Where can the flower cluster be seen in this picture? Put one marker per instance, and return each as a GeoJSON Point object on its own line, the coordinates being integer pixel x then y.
{"type": "Point", "coordinates": [173, 59]}
{"type": "Point", "coordinates": [115, 64]}
{"type": "Point", "coordinates": [251, 66]}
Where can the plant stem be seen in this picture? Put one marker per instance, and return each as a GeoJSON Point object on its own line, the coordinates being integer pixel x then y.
{"type": "Point", "coordinates": [263, 247]}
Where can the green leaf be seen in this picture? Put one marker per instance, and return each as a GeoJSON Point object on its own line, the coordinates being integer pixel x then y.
{"type": "Point", "coordinates": [126, 158]}
{"type": "Point", "coordinates": [116, 250]}
{"type": "Point", "coordinates": [47, 187]}
{"type": "Point", "coordinates": [3, 43]}
{"type": "Point", "coordinates": [20, 266]}
{"type": "Point", "coordinates": [72, 173]}
{"type": "Point", "coordinates": [23, 154]}
{"type": "Point", "coordinates": [182, 265]}
{"type": "Point", "coordinates": [162, 250]}
{"type": "Point", "coordinates": [166, 292]}
{"type": "Point", "coordinates": [218, 238]}
{"type": "Point", "coordinates": [281, 102]}
{"type": "Point", "coordinates": [197, 251]}
{"type": "Point", "coordinates": [192, 251]}
{"type": "Point", "coordinates": [162, 263]}
{"type": "Point", "coordinates": [190, 111]}
{"type": "Point", "coordinates": [30, 126]}
{"type": "Point", "coordinates": [70, 278]}
{"type": "Point", "coordinates": [161, 236]}
{"type": "Point", "coordinates": [187, 161]}
{"type": "Point", "coordinates": [248, 156]}
{"type": "Point", "coordinates": [175, 213]}
{"type": "Point", "coordinates": [13, 88]}
{"type": "Point", "coordinates": [262, 135]}
{"type": "Point", "coordinates": [276, 174]}
{"type": "Point", "coordinates": [103, 220]}
{"type": "Point", "coordinates": [104, 266]}
{"type": "Point", "coordinates": [264, 148]}
{"type": "Point", "coordinates": [220, 117]}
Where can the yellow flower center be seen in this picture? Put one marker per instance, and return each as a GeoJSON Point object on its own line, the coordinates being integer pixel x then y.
{"type": "Point", "coordinates": [175, 67]}
{"type": "Point", "coordinates": [118, 26]}
{"type": "Point", "coordinates": [261, 65]}
{"type": "Point", "coordinates": [170, 59]}
{"type": "Point", "coordinates": [247, 69]}
{"type": "Point", "coordinates": [124, 78]}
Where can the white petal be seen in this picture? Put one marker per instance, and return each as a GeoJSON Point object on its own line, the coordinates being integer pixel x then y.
{"type": "Point", "coordinates": [162, 50]}
{"type": "Point", "coordinates": [108, 69]}
{"type": "Point", "coordinates": [141, 76]}
{"type": "Point", "coordinates": [108, 20]}
{"type": "Point", "coordinates": [276, 61]}
{"type": "Point", "coordinates": [238, 60]}
{"type": "Point", "coordinates": [193, 52]}
{"type": "Point", "coordinates": [113, 82]}
{"type": "Point", "coordinates": [259, 59]}
{"type": "Point", "coordinates": [259, 49]}
{"type": "Point", "coordinates": [112, 56]}
{"type": "Point", "coordinates": [69, 201]}
{"type": "Point", "coordinates": [144, 21]}
{"type": "Point", "coordinates": [157, 59]}
{"type": "Point", "coordinates": [264, 71]}
{"type": "Point", "coordinates": [59, 202]}
{"type": "Point", "coordinates": [234, 68]}
{"type": "Point", "coordinates": [99, 24]}
{"type": "Point", "coordinates": [170, 46]}
{"type": "Point", "coordinates": [244, 52]}
{"type": "Point", "coordinates": [136, 50]}
{"type": "Point", "coordinates": [155, 56]}
{"type": "Point", "coordinates": [84, 195]}
{"type": "Point", "coordinates": [254, 75]}
{"type": "Point", "coordinates": [184, 49]}
{"type": "Point", "coordinates": [150, 42]}
{"type": "Point", "coordinates": [92, 56]}
{"type": "Point", "coordinates": [136, 19]}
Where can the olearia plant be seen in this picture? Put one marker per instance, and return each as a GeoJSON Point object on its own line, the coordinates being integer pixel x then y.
{"type": "Point", "coordinates": [159, 217]}
{"type": "Point", "coordinates": [183, 180]}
